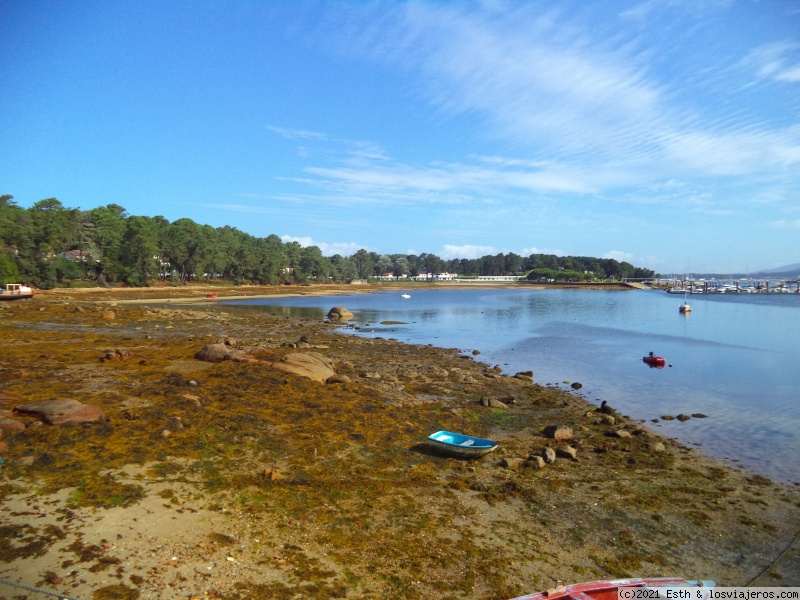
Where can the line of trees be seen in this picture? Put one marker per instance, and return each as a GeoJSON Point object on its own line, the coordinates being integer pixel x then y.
{"type": "Point", "coordinates": [49, 243]}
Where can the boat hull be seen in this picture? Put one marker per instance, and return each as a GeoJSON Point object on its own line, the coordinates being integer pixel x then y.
{"type": "Point", "coordinates": [654, 361]}
{"type": "Point", "coordinates": [461, 446]}
{"type": "Point", "coordinates": [15, 291]}
{"type": "Point", "coordinates": [609, 590]}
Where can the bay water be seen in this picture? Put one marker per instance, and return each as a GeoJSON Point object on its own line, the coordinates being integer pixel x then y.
{"type": "Point", "coordinates": [734, 358]}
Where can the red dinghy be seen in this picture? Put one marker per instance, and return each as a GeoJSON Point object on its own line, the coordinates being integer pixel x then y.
{"type": "Point", "coordinates": [619, 588]}
{"type": "Point", "coordinates": [654, 361]}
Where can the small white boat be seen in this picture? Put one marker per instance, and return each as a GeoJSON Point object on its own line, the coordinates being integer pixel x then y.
{"type": "Point", "coordinates": [462, 446]}
{"type": "Point", "coordinates": [405, 295]}
{"type": "Point", "coordinates": [16, 291]}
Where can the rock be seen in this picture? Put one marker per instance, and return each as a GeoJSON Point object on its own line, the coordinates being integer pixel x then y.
{"type": "Point", "coordinates": [339, 313]}
{"type": "Point", "coordinates": [576, 386]}
{"type": "Point", "coordinates": [492, 403]}
{"type": "Point", "coordinates": [548, 455]}
{"type": "Point", "coordinates": [118, 354]}
{"type": "Point", "coordinates": [621, 433]}
{"type": "Point", "coordinates": [240, 355]}
{"type": "Point", "coordinates": [558, 432]}
{"type": "Point", "coordinates": [213, 353]}
{"type": "Point", "coordinates": [338, 378]}
{"type": "Point", "coordinates": [567, 452]}
{"type": "Point", "coordinates": [9, 424]}
{"type": "Point", "coordinates": [174, 424]}
{"type": "Point", "coordinates": [608, 420]}
{"type": "Point", "coordinates": [699, 416]}
{"type": "Point", "coordinates": [228, 341]}
{"type": "Point", "coordinates": [657, 447]}
{"type": "Point", "coordinates": [511, 463]}
{"type": "Point", "coordinates": [108, 315]}
{"type": "Point", "coordinates": [525, 376]}
{"type": "Point", "coordinates": [681, 417]}
{"type": "Point", "coordinates": [54, 412]}
{"type": "Point", "coordinates": [535, 462]}
{"type": "Point", "coordinates": [313, 365]}
{"type": "Point", "coordinates": [476, 352]}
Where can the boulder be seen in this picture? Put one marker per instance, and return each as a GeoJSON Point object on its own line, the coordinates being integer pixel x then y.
{"type": "Point", "coordinates": [11, 424]}
{"type": "Point", "coordinates": [558, 432]}
{"type": "Point", "coordinates": [54, 412]}
{"type": "Point", "coordinates": [339, 313]}
{"type": "Point", "coordinates": [548, 455]}
{"type": "Point", "coordinates": [313, 365]}
{"type": "Point", "coordinates": [576, 385]}
{"type": "Point", "coordinates": [492, 403]}
{"type": "Point", "coordinates": [511, 463]}
{"type": "Point", "coordinates": [567, 452]}
{"type": "Point", "coordinates": [621, 433]}
{"type": "Point", "coordinates": [535, 462]}
{"type": "Point", "coordinates": [338, 378]}
{"type": "Point", "coordinates": [213, 353]}
{"type": "Point", "coordinates": [240, 355]}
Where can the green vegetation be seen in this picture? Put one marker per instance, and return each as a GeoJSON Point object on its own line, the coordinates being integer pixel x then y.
{"type": "Point", "coordinates": [49, 244]}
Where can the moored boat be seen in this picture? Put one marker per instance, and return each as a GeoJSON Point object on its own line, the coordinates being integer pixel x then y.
{"type": "Point", "coordinates": [462, 446]}
{"type": "Point", "coordinates": [610, 590]}
{"type": "Point", "coordinates": [654, 361]}
{"type": "Point", "coordinates": [15, 291]}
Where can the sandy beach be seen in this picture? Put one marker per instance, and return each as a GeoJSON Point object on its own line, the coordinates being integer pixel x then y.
{"type": "Point", "coordinates": [237, 479]}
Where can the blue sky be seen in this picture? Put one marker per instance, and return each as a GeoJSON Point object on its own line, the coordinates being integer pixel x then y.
{"type": "Point", "coordinates": [661, 132]}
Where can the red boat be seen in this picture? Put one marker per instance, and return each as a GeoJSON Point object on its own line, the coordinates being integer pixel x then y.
{"type": "Point", "coordinates": [654, 361]}
{"type": "Point", "coordinates": [610, 590]}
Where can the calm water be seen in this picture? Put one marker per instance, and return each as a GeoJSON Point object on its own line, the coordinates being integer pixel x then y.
{"type": "Point", "coordinates": [734, 358]}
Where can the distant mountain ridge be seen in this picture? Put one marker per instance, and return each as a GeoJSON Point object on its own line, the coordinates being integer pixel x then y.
{"type": "Point", "coordinates": [788, 269]}
{"type": "Point", "coordinates": [786, 272]}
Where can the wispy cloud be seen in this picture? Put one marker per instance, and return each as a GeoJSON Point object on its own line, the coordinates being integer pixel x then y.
{"type": "Point", "coordinates": [779, 61]}
{"type": "Point", "coordinates": [581, 106]}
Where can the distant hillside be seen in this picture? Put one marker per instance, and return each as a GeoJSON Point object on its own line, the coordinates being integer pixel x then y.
{"type": "Point", "coordinates": [787, 270]}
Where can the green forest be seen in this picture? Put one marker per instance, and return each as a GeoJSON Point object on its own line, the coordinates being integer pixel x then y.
{"type": "Point", "coordinates": [49, 244]}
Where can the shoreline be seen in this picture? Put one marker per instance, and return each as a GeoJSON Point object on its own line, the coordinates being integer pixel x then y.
{"type": "Point", "coordinates": [303, 484]}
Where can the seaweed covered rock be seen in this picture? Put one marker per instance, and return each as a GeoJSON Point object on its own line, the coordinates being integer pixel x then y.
{"type": "Point", "coordinates": [313, 365]}
{"type": "Point", "coordinates": [54, 412]}
{"type": "Point", "coordinates": [213, 353]}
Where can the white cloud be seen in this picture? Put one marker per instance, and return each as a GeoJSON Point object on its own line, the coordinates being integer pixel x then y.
{"type": "Point", "coordinates": [790, 224]}
{"type": "Point", "coordinates": [779, 61]}
{"type": "Point", "coordinates": [327, 248]}
{"type": "Point", "coordinates": [294, 134]}
{"type": "Point", "coordinates": [534, 250]}
{"type": "Point", "coordinates": [619, 256]}
{"type": "Point", "coordinates": [450, 251]}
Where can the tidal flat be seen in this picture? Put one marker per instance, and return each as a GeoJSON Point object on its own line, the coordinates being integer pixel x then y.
{"type": "Point", "coordinates": [237, 480]}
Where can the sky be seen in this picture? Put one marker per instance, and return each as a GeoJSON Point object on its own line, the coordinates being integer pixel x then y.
{"type": "Point", "coordinates": [665, 133]}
